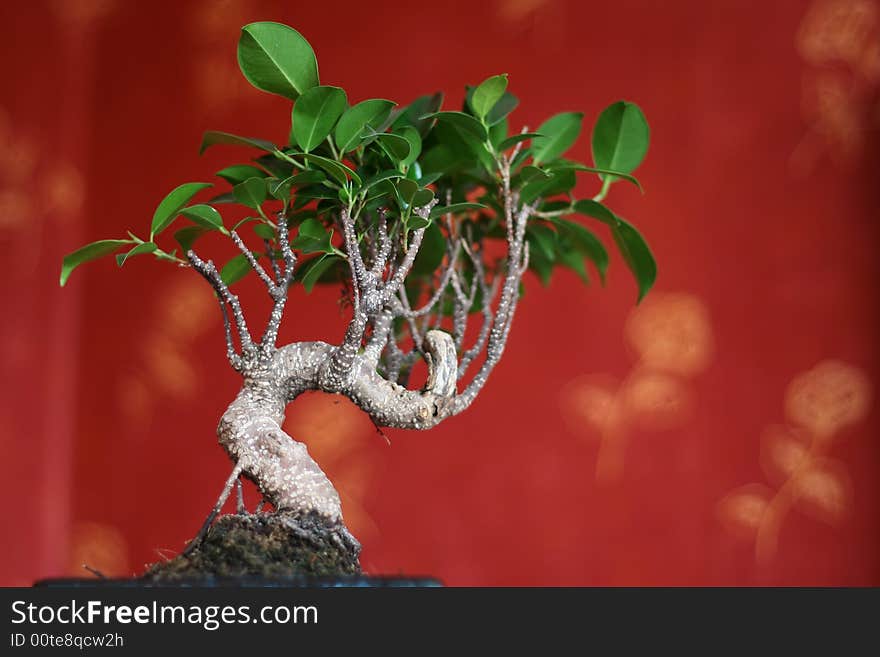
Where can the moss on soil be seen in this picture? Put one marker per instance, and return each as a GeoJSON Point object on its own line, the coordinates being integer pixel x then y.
{"type": "Point", "coordinates": [265, 545]}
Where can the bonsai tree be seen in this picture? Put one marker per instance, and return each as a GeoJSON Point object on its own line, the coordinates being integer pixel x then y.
{"type": "Point", "coordinates": [429, 218]}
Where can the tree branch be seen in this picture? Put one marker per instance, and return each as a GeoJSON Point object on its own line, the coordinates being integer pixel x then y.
{"type": "Point", "coordinates": [407, 313]}
{"type": "Point", "coordinates": [257, 267]}
{"type": "Point", "coordinates": [359, 273]}
{"type": "Point", "coordinates": [382, 324]}
{"type": "Point", "coordinates": [516, 226]}
{"type": "Point", "coordinates": [234, 358]}
{"type": "Point", "coordinates": [210, 273]}
{"type": "Point", "coordinates": [396, 281]}
{"type": "Point", "coordinates": [384, 249]}
{"type": "Point", "coordinates": [394, 358]}
{"type": "Point", "coordinates": [445, 277]}
{"type": "Point", "coordinates": [273, 260]}
{"type": "Point", "coordinates": [281, 289]}
{"type": "Point", "coordinates": [340, 363]}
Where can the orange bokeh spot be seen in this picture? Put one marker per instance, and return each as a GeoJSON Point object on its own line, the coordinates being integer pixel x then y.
{"type": "Point", "coordinates": [827, 398]}
{"type": "Point", "coordinates": [823, 491]}
{"type": "Point", "coordinates": [783, 451]}
{"type": "Point", "coordinates": [100, 547]}
{"type": "Point", "coordinates": [657, 400]}
{"type": "Point", "coordinates": [742, 511]}
{"type": "Point", "coordinates": [836, 30]}
{"type": "Point", "coordinates": [671, 332]}
{"type": "Point", "coordinates": [591, 402]}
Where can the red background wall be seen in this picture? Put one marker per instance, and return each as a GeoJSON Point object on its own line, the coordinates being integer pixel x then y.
{"type": "Point", "coordinates": [722, 433]}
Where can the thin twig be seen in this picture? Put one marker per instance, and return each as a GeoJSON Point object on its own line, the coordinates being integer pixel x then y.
{"type": "Point", "coordinates": [224, 495]}
{"type": "Point", "coordinates": [273, 260]}
{"type": "Point", "coordinates": [256, 266]}
{"type": "Point", "coordinates": [210, 273]}
{"type": "Point", "coordinates": [94, 571]}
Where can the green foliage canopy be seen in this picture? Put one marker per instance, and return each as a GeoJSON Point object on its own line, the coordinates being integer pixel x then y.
{"type": "Point", "coordinates": [377, 158]}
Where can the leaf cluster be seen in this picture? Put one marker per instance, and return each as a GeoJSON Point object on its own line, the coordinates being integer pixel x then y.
{"type": "Point", "coordinates": [380, 161]}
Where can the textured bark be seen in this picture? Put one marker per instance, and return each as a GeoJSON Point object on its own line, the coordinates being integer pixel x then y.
{"type": "Point", "coordinates": [250, 429]}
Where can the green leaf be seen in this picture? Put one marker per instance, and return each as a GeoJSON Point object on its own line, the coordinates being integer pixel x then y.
{"type": "Point", "coordinates": [336, 170]}
{"type": "Point", "coordinates": [171, 205]}
{"type": "Point", "coordinates": [502, 108]}
{"type": "Point", "coordinates": [636, 254]}
{"type": "Point", "coordinates": [313, 237]}
{"type": "Point", "coordinates": [315, 192]}
{"type": "Point", "coordinates": [620, 137]}
{"type": "Point", "coordinates": [214, 137]}
{"type": "Point", "coordinates": [306, 178]}
{"type": "Point", "coordinates": [461, 150]}
{"type": "Point", "coordinates": [431, 252]}
{"type": "Point", "coordinates": [367, 113]}
{"type": "Point", "coordinates": [144, 247]}
{"type": "Point", "coordinates": [409, 115]}
{"type": "Point", "coordinates": [276, 58]}
{"type": "Point", "coordinates": [559, 182]}
{"type": "Point", "coordinates": [487, 94]}
{"type": "Point", "coordinates": [380, 189]}
{"type": "Point", "coordinates": [265, 231]}
{"type": "Point", "coordinates": [251, 192]}
{"type": "Point", "coordinates": [407, 189]}
{"type": "Point", "coordinates": [560, 132]}
{"type": "Point", "coordinates": [556, 206]}
{"type": "Point", "coordinates": [530, 173]}
{"type": "Point", "coordinates": [225, 197]}
{"type": "Point", "coordinates": [236, 269]}
{"type": "Point", "coordinates": [415, 222]}
{"type": "Point", "coordinates": [204, 215]}
{"type": "Point", "coordinates": [87, 253]}
{"type": "Point", "coordinates": [428, 178]}
{"type": "Point", "coordinates": [396, 146]}
{"type": "Point", "coordinates": [442, 159]}
{"type": "Point", "coordinates": [585, 243]}
{"type": "Point", "coordinates": [532, 190]}
{"type": "Point", "coordinates": [454, 208]}
{"type": "Point", "coordinates": [317, 269]}
{"type": "Point", "coordinates": [240, 172]}
{"type": "Point", "coordinates": [544, 239]}
{"type": "Point", "coordinates": [498, 133]}
{"type": "Point", "coordinates": [278, 167]}
{"type": "Point", "coordinates": [596, 210]}
{"type": "Point", "coordinates": [521, 157]}
{"type": "Point", "coordinates": [574, 166]}
{"type": "Point", "coordinates": [575, 261]}
{"type": "Point", "coordinates": [315, 114]}
{"type": "Point", "coordinates": [515, 139]}
{"type": "Point", "coordinates": [422, 197]}
{"type": "Point", "coordinates": [462, 121]}
{"type": "Point", "coordinates": [540, 263]}
{"type": "Point", "coordinates": [379, 177]}
{"type": "Point", "coordinates": [245, 221]}
{"type": "Point", "coordinates": [187, 236]}
{"type": "Point", "coordinates": [280, 189]}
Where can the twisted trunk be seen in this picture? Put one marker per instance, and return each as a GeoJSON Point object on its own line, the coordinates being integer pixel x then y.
{"type": "Point", "coordinates": [250, 429]}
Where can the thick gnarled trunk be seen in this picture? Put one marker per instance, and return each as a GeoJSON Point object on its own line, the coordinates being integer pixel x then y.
{"type": "Point", "coordinates": [250, 432]}
{"type": "Point", "coordinates": [251, 428]}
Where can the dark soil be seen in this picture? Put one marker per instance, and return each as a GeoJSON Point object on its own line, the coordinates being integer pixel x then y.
{"type": "Point", "coordinates": [268, 546]}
